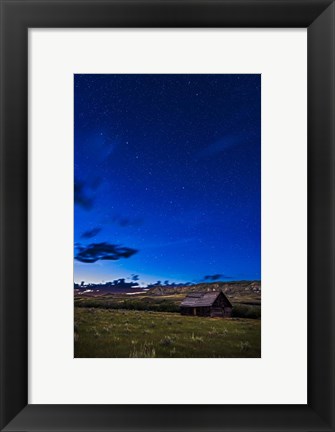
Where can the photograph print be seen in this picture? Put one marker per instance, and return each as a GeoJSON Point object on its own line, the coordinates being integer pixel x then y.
{"type": "Point", "coordinates": [167, 215]}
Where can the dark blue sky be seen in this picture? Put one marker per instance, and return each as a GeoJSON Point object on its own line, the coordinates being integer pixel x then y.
{"type": "Point", "coordinates": [167, 177]}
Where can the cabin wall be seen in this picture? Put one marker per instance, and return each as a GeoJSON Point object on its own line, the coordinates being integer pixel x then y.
{"type": "Point", "coordinates": [220, 308]}
{"type": "Point", "coordinates": [186, 311]}
{"type": "Point", "coordinates": [219, 302]}
{"type": "Point", "coordinates": [203, 311]}
{"type": "Point", "coordinates": [228, 311]}
{"type": "Point", "coordinates": [195, 311]}
{"type": "Point", "coordinates": [216, 312]}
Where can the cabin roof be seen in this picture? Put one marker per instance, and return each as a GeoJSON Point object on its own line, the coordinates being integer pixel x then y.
{"type": "Point", "coordinates": [199, 299]}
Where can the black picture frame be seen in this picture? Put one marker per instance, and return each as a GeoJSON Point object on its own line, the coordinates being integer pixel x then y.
{"type": "Point", "coordinates": [17, 16]}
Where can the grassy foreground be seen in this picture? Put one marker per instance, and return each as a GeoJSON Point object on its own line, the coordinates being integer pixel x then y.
{"type": "Point", "coordinates": [132, 333]}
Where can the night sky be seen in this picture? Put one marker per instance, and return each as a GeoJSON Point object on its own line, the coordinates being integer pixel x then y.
{"type": "Point", "coordinates": [167, 177]}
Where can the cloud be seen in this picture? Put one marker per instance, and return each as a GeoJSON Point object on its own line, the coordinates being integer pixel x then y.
{"type": "Point", "coordinates": [221, 145]}
{"type": "Point", "coordinates": [103, 251]}
{"type": "Point", "coordinates": [126, 222]}
{"type": "Point", "coordinates": [81, 196]}
{"type": "Point", "coordinates": [216, 277]}
{"type": "Point", "coordinates": [90, 233]}
{"type": "Point", "coordinates": [96, 146]}
{"type": "Point", "coordinates": [84, 192]}
{"type": "Point", "coordinates": [135, 277]}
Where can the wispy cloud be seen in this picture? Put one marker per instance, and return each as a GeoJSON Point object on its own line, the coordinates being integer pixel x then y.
{"type": "Point", "coordinates": [216, 277]}
{"type": "Point", "coordinates": [90, 233]}
{"type": "Point", "coordinates": [124, 221]}
{"type": "Point", "coordinates": [222, 145]}
{"type": "Point", "coordinates": [81, 196]}
{"type": "Point", "coordinates": [85, 191]}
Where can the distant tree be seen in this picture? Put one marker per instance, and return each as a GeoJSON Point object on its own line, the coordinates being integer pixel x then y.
{"type": "Point", "coordinates": [82, 283]}
{"type": "Point", "coordinates": [121, 281]}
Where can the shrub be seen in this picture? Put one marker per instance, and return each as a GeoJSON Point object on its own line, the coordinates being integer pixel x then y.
{"type": "Point", "coordinates": [244, 346]}
{"type": "Point", "coordinates": [213, 331]}
{"type": "Point", "coordinates": [197, 338]}
{"type": "Point", "coordinates": [145, 304]}
{"type": "Point", "coordinates": [173, 352]}
{"type": "Point", "coordinates": [145, 351]}
{"type": "Point", "coordinates": [166, 341]}
{"type": "Point", "coordinates": [246, 311]}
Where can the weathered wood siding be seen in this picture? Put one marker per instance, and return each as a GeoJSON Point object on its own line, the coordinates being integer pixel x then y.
{"type": "Point", "coordinates": [228, 311]}
{"type": "Point", "coordinates": [221, 307]}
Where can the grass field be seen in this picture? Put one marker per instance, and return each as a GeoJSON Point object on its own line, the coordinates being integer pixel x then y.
{"type": "Point", "coordinates": [245, 306]}
{"type": "Point", "coordinates": [100, 332]}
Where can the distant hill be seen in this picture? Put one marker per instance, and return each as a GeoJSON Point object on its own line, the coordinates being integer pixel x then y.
{"type": "Point", "coordinates": [231, 288]}
{"type": "Point", "coordinates": [93, 290]}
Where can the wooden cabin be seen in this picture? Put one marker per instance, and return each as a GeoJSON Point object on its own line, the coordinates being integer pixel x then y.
{"type": "Point", "coordinates": [211, 304]}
